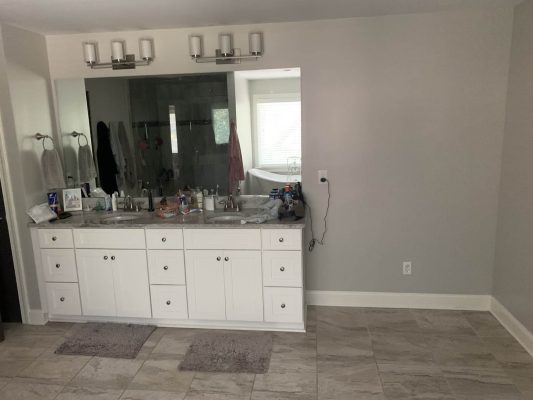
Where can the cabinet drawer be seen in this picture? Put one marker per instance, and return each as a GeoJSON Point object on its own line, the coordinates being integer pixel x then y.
{"type": "Point", "coordinates": [283, 304]}
{"type": "Point", "coordinates": [55, 238]}
{"type": "Point", "coordinates": [63, 298]}
{"type": "Point", "coordinates": [166, 267]}
{"type": "Point", "coordinates": [237, 239]}
{"type": "Point", "coordinates": [282, 239]}
{"type": "Point", "coordinates": [282, 268]}
{"type": "Point", "coordinates": [169, 302]}
{"type": "Point", "coordinates": [164, 238]}
{"type": "Point", "coordinates": [59, 265]}
{"type": "Point", "coordinates": [109, 238]}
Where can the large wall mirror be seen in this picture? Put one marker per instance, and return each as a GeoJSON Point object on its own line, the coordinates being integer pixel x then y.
{"type": "Point", "coordinates": [171, 132]}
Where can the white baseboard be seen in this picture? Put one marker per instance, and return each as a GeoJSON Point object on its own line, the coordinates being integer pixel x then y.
{"type": "Point", "coordinates": [36, 317]}
{"type": "Point", "coordinates": [399, 300]}
{"type": "Point", "coordinates": [514, 326]}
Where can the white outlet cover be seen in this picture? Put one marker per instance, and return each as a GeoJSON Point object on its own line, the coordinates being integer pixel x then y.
{"type": "Point", "coordinates": [407, 268]}
{"type": "Point", "coordinates": [322, 173]}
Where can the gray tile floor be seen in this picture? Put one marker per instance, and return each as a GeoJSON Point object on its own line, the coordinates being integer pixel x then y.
{"type": "Point", "coordinates": [347, 353]}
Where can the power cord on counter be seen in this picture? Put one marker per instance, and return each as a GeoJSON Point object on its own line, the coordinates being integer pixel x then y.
{"type": "Point", "coordinates": [314, 241]}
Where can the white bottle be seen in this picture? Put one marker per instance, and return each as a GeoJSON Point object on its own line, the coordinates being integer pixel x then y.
{"type": "Point", "coordinates": [200, 199]}
{"type": "Point", "coordinates": [114, 201]}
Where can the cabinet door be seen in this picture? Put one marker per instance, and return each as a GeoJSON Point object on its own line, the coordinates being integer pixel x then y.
{"type": "Point", "coordinates": [95, 275]}
{"type": "Point", "coordinates": [205, 284]}
{"type": "Point", "coordinates": [130, 275]}
{"type": "Point", "coordinates": [244, 286]}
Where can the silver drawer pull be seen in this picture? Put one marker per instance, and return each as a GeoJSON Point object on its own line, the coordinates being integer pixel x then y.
{"type": "Point", "coordinates": [54, 238]}
{"type": "Point", "coordinates": [106, 257]}
{"type": "Point", "coordinates": [58, 265]}
{"type": "Point", "coordinates": [282, 305]}
{"type": "Point", "coordinates": [164, 239]}
{"type": "Point", "coordinates": [282, 269]}
{"type": "Point", "coordinates": [281, 240]}
{"type": "Point", "coordinates": [165, 267]}
{"type": "Point", "coordinates": [168, 302]}
{"type": "Point", "coordinates": [226, 258]}
{"type": "Point", "coordinates": [61, 299]}
{"type": "Point", "coordinates": [218, 259]}
{"type": "Point", "coordinates": [113, 258]}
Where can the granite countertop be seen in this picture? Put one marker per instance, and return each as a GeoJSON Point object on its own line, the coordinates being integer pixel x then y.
{"type": "Point", "coordinates": [92, 219]}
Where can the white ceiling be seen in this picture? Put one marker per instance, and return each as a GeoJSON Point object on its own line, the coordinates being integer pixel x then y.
{"type": "Point", "coordinates": [81, 16]}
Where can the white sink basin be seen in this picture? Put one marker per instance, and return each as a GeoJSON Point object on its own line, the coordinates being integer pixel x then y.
{"type": "Point", "coordinates": [226, 218]}
{"type": "Point", "coordinates": [120, 218]}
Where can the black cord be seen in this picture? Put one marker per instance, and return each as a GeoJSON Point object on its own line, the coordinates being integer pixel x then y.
{"type": "Point", "coordinates": [314, 241]}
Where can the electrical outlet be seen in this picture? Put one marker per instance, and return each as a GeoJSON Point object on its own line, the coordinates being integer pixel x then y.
{"type": "Point", "coordinates": [322, 174]}
{"type": "Point", "coordinates": [407, 268]}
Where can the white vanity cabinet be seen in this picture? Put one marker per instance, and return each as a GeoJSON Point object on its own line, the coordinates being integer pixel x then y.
{"type": "Point", "coordinates": [229, 277]}
{"type": "Point", "coordinates": [114, 283]}
{"type": "Point", "coordinates": [224, 282]}
{"type": "Point", "coordinates": [113, 272]}
{"type": "Point", "coordinates": [224, 285]}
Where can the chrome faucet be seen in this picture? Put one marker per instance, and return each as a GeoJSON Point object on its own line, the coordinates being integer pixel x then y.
{"type": "Point", "coordinates": [230, 204]}
{"type": "Point", "coordinates": [128, 204]}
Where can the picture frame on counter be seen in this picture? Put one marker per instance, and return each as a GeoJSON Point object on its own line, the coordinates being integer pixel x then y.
{"type": "Point", "coordinates": [72, 200]}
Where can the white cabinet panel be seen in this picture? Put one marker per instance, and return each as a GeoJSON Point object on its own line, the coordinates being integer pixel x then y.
{"type": "Point", "coordinates": [97, 290]}
{"type": "Point", "coordinates": [169, 301]}
{"type": "Point", "coordinates": [63, 299]}
{"type": "Point", "coordinates": [238, 239]}
{"type": "Point", "coordinates": [164, 239]}
{"type": "Point", "coordinates": [55, 238]}
{"type": "Point", "coordinates": [283, 304]}
{"type": "Point", "coordinates": [205, 284]}
{"type": "Point", "coordinates": [243, 281]}
{"type": "Point", "coordinates": [130, 275]}
{"type": "Point", "coordinates": [282, 268]}
{"type": "Point", "coordinates": [166, 267]}
{"type": "Point", "coordinates": [282, 239]}
{"type": "Point", "coordinates": [59, 265]}
{"type": "Point", "coordinates": [109, 238]}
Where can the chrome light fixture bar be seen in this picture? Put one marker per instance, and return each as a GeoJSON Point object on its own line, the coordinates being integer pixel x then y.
{"type": "Point", "coordinates": [119, 60]}
{"type": "Point", "coordinates": [226, 54]}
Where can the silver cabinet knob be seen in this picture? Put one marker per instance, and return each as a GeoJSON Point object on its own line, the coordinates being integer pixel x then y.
{"type": "Point", "coordinates": [281, 240]}
{"type": "Point", "coordinates": [218, 258]}
{"type": "Point", "coordinates": [282, 269]}
{"type": "Point", "coordinates": [113, 258]}
{"type": "Point", "coordinates": [282, 305]}
{"type": "Point", "coordinates": [168, 302]}
{"type": "Point", "coordinates": [58, 265]}
{"type": "Point", "coordinates": [164, 239]}
{"type": "Point", "coordinates": [106, 257]}
{"type": "Point", "coordinates": [61, 299]}
{"type": "Point", "coordinates": [226, 258]}
{"type": "Point", "coordinates": [54, 238]}
{"type": "Point", "coordinates": [165, 267]}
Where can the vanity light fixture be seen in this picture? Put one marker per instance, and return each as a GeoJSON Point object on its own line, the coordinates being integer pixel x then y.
{"type": "Point", "coordinates": [226, 53]}
{"type": "Point", "coordinates": [119, 60]}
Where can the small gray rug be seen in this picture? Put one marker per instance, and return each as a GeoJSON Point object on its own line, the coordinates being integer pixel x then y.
{"type": "Point", "coordinates": [229, 352]}
{"type": "Point", "coordinates": [106, 340]}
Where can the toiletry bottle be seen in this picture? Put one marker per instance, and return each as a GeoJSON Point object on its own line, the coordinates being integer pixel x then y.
{"type": "Point", "coordinates": [200, 198]}
{"type": "Point", "coordinates": [150, 201]}
{"type": "Point", "coordinates": [114, 205]}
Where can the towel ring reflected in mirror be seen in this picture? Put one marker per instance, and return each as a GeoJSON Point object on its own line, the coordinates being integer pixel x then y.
{"type": "Point", "coordinates": [79, 135]}
{"type": "Point", "coordinates": [40, 136]}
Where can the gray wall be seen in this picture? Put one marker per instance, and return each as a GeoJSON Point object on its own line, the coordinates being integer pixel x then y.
{"type": "Point", "coordinates": [513, 277]}
{"type": "Point", "coordinates": [406, 113]}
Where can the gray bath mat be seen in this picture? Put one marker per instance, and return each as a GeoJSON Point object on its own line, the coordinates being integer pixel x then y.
{"type": "Point", "coordinates": [106, 340]}
{"type": "Point", "coordinates": [229, 352]}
